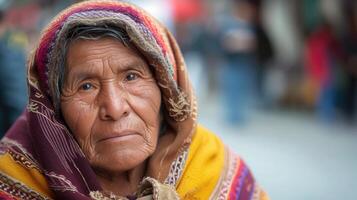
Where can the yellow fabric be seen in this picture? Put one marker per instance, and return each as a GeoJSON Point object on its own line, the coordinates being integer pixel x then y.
{"type": "Point", "coordinates": [32, 178]}
{"type": "Point", "coordinates": [203, 166]}
{"type": "Point", "coordinates": [264, 196]}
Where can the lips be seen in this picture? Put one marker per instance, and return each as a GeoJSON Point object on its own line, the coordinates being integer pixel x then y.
{"type": "Point", "coordinates": [117, 136]}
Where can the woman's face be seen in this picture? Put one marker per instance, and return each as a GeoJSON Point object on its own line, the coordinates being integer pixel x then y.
{"type": "Point", "coordinates": [111, 103]}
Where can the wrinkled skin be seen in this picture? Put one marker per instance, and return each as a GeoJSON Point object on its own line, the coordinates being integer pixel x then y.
{"type": "Point", "coordinates": [111, 103]}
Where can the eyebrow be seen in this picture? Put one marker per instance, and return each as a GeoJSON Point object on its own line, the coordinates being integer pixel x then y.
{"type": "Point", "coordinates": [83, 72]}
{"type": "Point", "coordinates": [133, 64]}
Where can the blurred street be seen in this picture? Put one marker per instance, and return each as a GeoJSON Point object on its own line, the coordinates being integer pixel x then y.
{"type": "Point", "coordinates": [292, 154]}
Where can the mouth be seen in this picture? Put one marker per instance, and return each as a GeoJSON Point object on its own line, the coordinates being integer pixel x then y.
{"type": "Point", "coordinates": [123, 135]}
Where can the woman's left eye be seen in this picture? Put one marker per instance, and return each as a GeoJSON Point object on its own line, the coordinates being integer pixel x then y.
{"type": "Point", "coordinates": [86, 86]}
{"type": "Point", "coordinates": [131, 76]}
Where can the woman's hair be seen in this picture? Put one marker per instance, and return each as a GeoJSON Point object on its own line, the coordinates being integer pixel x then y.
{"type": "Point", "coordinates": [85, 32]}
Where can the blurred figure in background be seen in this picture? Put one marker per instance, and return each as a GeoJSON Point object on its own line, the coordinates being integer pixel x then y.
{"type": "Point", "coordinates": [20, 22]}
{"type": "Point", "coordinates": [323, 57]}
{"type": "Point", "coordinates": [264, 52]}
{"type": "Point", "coordinates": [350, 49]}
{"type": "Point", "coordinates": [12, 74]}
{"type": "Point", "coordinates": [238, 44]}
{"type": "Point", "coordinates": [191, 36]}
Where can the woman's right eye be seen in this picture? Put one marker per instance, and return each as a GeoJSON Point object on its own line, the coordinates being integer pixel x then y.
{"type": "Point", "coordinates": [86, 86]}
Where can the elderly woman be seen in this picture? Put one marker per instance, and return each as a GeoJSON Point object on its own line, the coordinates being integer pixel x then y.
{"type": "Point", "coordinates": [112, 115]}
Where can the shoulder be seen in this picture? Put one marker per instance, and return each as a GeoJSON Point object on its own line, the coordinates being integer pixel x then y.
{"type": "Point", "coordinates": [213, 171]}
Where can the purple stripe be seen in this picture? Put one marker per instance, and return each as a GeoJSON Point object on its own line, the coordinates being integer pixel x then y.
{"type": "Point", "coordinates": [239, 187]}
{"type": "Point", "coordinates": [248, 185]}
{"type": "Point", "coordinates": [252, 192]}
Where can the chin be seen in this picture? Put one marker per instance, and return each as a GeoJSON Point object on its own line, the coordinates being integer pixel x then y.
{"type": "Point", "coordinates": [122, 160]}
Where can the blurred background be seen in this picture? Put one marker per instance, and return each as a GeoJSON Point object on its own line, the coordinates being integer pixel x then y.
{"type": "Point", "coordinates": [275, 79]}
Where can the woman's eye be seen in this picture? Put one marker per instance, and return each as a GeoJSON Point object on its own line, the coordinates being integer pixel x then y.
{"type": "Point", "coordinates": [131, 76]}
{"type": "Point", "coordinates": [86, 86]}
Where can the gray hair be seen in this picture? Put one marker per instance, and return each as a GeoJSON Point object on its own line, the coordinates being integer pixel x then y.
{"type": "Point", "coordinates": [85, 32]}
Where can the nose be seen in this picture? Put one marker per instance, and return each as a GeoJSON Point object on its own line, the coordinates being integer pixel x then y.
{"type": "Point", "coordinates": [113, 103]}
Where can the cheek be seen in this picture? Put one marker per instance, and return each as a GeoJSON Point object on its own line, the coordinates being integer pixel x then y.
{"type": "Point", "coordinates": [79, 116]}
{"type": "Point", "coordinates": [145, 99]}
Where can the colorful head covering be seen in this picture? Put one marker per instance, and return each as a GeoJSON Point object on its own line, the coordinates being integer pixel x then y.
{"type": "Point", "coordinates": [41, 152]}
{"type": "Point", "coordinates": [45, 137]}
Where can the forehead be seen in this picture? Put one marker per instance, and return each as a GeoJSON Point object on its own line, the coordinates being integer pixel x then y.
{"type": "Point", "coordinates": [80, 50]}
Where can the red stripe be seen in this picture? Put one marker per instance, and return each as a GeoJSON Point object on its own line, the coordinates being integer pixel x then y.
{"type": "Point", "coordinates": [232, 192]}
{"type": "Point", "coordinates": [243, 183]}
{"type": "Point", "coordinates": [6, 196]}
